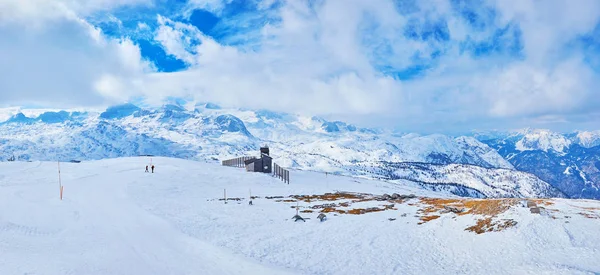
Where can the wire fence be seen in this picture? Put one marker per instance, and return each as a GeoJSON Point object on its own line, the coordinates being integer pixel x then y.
{"type": "Point", "coordinates": [281, 173]}
{"type": "Point", "coordinates": [236, 162]}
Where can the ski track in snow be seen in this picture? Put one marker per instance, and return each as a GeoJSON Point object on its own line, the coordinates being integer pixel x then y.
{"type": "Point", "coordinates": [116, 219]}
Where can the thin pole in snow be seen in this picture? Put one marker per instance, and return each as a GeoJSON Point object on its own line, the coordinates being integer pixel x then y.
{"type": "Point", "coordinates": [225, 195]}
{"type": "Point", "coordinates": [297, 206]}
{"type": "Point", "coordinates": [60, 188]}
{"type": "Point", "coordinates": [250, 199]}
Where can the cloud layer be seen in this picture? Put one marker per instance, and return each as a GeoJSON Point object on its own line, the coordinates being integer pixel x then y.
{"type": "Point", "coordinates": [417, 65]}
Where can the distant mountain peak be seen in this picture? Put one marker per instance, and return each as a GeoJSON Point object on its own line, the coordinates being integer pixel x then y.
{"type": "Point", "coordinates": [542, 139]}
{"type": "Point", "coordinates": [120, 111]}
{"type": "Point", "coordinates": [20, 118]}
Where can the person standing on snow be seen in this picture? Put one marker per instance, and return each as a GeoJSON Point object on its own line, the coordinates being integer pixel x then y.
{"type": "Point", "coordinates": [153, 168]}
{"type": "Point", "coordinates": [146, 169]}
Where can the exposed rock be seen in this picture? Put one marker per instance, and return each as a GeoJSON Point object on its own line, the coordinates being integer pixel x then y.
{"type": "Point", "coordinates": [274, 197]}
{"type": "Point", "coordinates": [298, 218]}
{"type": "Point", "coordinates": [454, 209]}
{"type": "Point", "coordinates": [322, 217]}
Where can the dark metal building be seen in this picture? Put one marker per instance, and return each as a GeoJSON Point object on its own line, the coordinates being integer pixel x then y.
{"type": "Point", "coordinates": [263, 164]}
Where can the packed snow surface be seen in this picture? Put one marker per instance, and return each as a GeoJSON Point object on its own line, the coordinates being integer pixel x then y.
{"type": "Point", "coordinates": [116, 219]}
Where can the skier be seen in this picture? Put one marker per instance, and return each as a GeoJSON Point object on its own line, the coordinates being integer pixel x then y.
{"type": "Point", "coordinates": [153, 168]}
{"type": "Point", "coordinates": [146, 169]}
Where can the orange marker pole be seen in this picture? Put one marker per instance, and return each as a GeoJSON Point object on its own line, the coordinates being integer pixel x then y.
{"type": "Point", "coordinates": [61, 192]}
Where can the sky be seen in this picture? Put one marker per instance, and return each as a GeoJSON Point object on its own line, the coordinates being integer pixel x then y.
{"type": "Point", "coordinates": [413, 65]}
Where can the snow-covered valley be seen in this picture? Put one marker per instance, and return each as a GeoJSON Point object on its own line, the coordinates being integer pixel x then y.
{"type": "Point", "coordinates": [116, 219]}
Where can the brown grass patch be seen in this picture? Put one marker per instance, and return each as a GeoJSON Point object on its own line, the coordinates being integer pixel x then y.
{"type": "Point", "coordinates": [285, 201]}
{"type": "Point", "coordinates": [425, 219]}
{"type": "Point", "coordinates": [357, 211]}
{"type": "Point", "coordinates": [274, 197]}
{"type": "Point", "coordinates": [330, 197]}
{"type": "Point", "coordinates": [327, 205]}
{"type": "Point", "coordinates": [489, 208]}
{"type": "Point", "coordinates": [489, 225]}
{"type": "Point", "coordinates": [482, 226]}
{"type": "Point", "coordinates": [360, 211]}
{"type": "Point", "coordinates": [545, 202]}
{"type": "Point", "coordinates": [438, 201]}
{"type": "Point", "coordinates": [331, 210]}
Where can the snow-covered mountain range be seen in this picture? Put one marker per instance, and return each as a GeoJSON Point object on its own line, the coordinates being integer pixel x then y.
{"type": "Point", "coordinates": [569, 162]}
{"type": "Point", "coordinates": [478, 165]}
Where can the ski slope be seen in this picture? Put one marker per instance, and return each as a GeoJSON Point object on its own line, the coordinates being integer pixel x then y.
{"type": "Point", "coordinates": [116, 219]}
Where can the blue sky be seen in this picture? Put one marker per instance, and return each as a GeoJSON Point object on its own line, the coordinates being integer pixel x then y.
{"type": "Point", "coordinates": [428, 66]}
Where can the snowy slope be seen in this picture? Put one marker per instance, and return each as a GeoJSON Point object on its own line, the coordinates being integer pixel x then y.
{"type": "Point", "coordinates": [97, 228]}
{"type": "Point", "coordinates": [115, 219]}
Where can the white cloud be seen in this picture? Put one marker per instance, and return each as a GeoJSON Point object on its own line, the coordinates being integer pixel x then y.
{"type": "Point", "coordinates": [316, 60]}
{"type": "Point", "coordinates": [320, 57]}
{"type": "Point", "coordinates": [523, 89]}
{"type": "Point", "coordinates": [304, 66]}
{"type": "Point", "coordinates": [60, 61]}
{"type": "Point", "coordinates": [177, 39]}
{"type": "Point", "coordinates": [215, 6]}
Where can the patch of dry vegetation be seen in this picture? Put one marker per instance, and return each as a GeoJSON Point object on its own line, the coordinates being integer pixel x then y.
{"type": "Point", "coordinates": [331, 197]}
{"type": "Point", "coordinates": [489, 208]}
{"type": "Point", "coordinates": [285, 201]}
{"type": "Point", "coordinates": [360, 211]}
{"type": "Point", "coordinates": [489, 225]}
{"type": "Point", "coordinates": [332, 210]}
{"type": "Point", "coordinates": [545, 202]}
{"type": "Point", "coordinates": [347, 200]}
{"type": "Point", "coordinates": [425, 219]}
